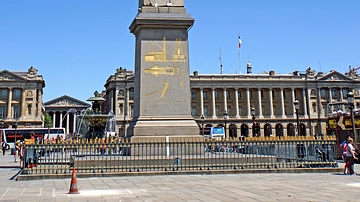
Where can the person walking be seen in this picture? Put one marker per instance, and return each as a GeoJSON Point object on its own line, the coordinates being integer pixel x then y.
{"type": "Point", "coordinates": [351, 155]}
{"type": "Point", "coordinates": [3, 145]}
{"type": "Point", "coordinates": [343, 147]}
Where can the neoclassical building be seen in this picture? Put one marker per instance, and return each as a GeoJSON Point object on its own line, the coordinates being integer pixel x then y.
{"type": "Point", "coordinates": [228, 99]}
{"type": "Point", "coordinates": [64, 110]}
{"type": "Point", "coordinates": [21, 98]}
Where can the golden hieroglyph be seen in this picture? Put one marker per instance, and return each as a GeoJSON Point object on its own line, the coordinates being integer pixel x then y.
{"type": "Point", "coordinates": [156, 70]}
{"type": "Point", "coordinates": [160, 52]}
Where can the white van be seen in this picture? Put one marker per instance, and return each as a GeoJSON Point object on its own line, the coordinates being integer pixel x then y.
{"type": "Point", "coordinates": [214, 132]}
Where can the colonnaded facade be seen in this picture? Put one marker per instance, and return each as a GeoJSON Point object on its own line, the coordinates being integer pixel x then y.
{"type": "Point", "coordinates": [228, 100]}
{"type": "Point", "coordinates": [21, 98]}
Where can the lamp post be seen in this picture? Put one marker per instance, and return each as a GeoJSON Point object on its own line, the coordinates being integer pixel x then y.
{"type": "Point", "coordinates": [202, 124]}
{"type": "Point", "coordinates": [350, 97]}
{"type": "Point", "coordinates": [15, 152]}
{"type": "Point", "coordinates": [253, 119]}
{"type": "Point", "coordinates": [225, 117]}
{"type": "Point", "coordinates": [296, 104]}
{"type": "Point", "coordinates": [15, 126]}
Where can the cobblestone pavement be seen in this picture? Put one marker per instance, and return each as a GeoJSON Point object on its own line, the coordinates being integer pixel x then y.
{"type": "Point", "coordinates": [222, 187]}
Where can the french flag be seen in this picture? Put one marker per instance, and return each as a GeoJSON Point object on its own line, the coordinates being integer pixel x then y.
{"type": "Point", "coordinates": [240, 42]}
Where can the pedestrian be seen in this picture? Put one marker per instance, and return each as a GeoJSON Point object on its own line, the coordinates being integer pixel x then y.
{"type": "Point", "coordinates": [351, 155]}
{"type": "Point", "coordinates": [343, 147]}
{"type": "Point", "coordinates": [3, 145]}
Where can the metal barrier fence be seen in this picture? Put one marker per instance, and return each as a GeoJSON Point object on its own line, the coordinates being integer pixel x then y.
{"type": "Point", "coordinates": [183, 154]}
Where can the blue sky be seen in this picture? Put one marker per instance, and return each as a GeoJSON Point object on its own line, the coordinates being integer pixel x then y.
{"type": "Point", "coordinates": [76, 44]}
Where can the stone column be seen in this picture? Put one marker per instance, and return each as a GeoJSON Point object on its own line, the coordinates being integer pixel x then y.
{"type": "Point", "coordinates": [8, 115]}
{"type": "Point", "coordinates": [330, 95]}
{"type": "Point", "coordinates": [271, 103]}
{"type": "Point", "coordinates": [23, 104]}
{"type": "Point", "coordinates": [54, 119]}
{"type": "Point", "coordinates": [237, 103]}
{"type": "Point", "coordinates": [260, 104]}
{"type": "Point", "coordinates": [248, 103]}
{"type": "Point", "coordinates": [39, 103]}
{"type": "Point", "coordinates": [61, 118]}
{"type": "Point", "coordinates": [202, 101]}
{"type": "Point", "coordinates": [127, 104]}
{"type": "Point", "coordinates": [282, 103]}
{"type": "Point", "coordinates": [320, 108]}
{"type": "Point", "coordinates": [293, 99]}
{"type": "Point", "coordinates": [74, 123]}
{"type": "Point", "coordinates": [304, 99]}
{"type": "Point", "coordinates": [213, 103]}
{"type": "Point", "coordinates": [225, 101]}
{"type": "Point", "coordinates": [67, 124]}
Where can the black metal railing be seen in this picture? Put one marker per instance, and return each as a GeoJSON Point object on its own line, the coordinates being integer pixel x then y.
{"type": "Point", "coordinates": [159, 154]}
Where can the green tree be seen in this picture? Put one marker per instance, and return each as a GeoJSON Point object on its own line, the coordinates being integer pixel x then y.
{"type": "Point", "coordinates": [47, 120]}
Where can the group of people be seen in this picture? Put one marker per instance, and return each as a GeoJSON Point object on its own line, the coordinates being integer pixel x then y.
{"type": "Point", "coordinates": [349, 155]}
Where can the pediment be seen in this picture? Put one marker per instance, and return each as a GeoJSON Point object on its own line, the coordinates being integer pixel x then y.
{"type": "Point", "coordinates": [66, 101]}
{"type": "Point", "coordinates": [334, 76]}
{"type": "Point", "coordinates": [6, 75]}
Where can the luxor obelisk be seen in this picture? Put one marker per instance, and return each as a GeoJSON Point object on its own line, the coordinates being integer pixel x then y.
{"type": "Point", "coordinates": [162, 102]}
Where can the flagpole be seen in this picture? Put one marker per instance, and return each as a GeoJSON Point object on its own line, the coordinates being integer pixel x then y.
{"type": "Point", "coordinates": [239, 47]}
{"type": "Point", "coordinates": [239, 61]}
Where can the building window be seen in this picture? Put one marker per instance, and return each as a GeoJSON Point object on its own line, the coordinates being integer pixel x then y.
{"type": "Point", "coordinates": [205, 94]}
{"type": "Point", "coordinates": [227, 94]}
{"type": "Point", "coordinates": [228, 110]}
{"type": "Point", "coordinates": [205, 111]}
{"type": "Point", "coordinates": [132, 94]}
{"type": "Point", "coordinates": [334, 93]}
{"type": "Point", "coordinates": [16, 112]}
{"type": "Point", "coordinates": [193, 94]}
{"type": "Point", "coordinates": [324, 109]}
{"type": "Point", "coordinates": [2, 112]}
{"type": "Point", "coordinates": [217, 110]}
{"type": "Point", "coordinates": [284, 94]}
{"type": "Point", "coordinates": [262, 94]}
{"type": "Point", "coordinates": [29, 109]}
{"type": "Point", "coordinates": [263, 109]}
{"type": "Point", "coordinates": [314, 107]}
{"type": "Point", "coordinates": [251, 94]}
{"type": "Point", "coordinates": [17, 94]}
{"type": "Point", "coordinates": [239, 94]}
{"type": "Point", "coordinates": [3, 93]}
{"type": "Point", "coordinates": [131, 110]}
{"type": "Point", "coordinates": [323, 94]}
{"type": "Point", "coordinates": [345, 92]}
{"type": "Point", "coordinates": [193, 111]}
{"type": "Point", "coordinates": [216, 94]}
{"type": "Point", "coordinates": [240, 110]}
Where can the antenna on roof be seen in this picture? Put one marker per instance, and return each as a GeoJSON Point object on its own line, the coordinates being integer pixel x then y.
{"type": "Point", "coordinates": [221, 66]}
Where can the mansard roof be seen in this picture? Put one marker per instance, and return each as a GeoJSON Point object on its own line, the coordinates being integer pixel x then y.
{"type": "Point", "coordinates": [66, 101]}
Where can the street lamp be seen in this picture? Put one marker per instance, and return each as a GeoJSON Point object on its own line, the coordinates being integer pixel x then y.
{"type": "Point", "coordinates": [253, 119]}
{"type": "Point", "coordinates": [15, 126]}
{"type": "Point", "coordinates": [350, 97]}
{"type": "Point", "coordinates": [202, 124]}
{"type": "Point", "coordinates": [15, 152]}
{"type": "Point", "coordinates": [296, 104]}
{"type": "Point", "coordinates": [225, 117]}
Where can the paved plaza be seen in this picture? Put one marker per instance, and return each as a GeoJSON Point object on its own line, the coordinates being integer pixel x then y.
{"type": "Point", "coordinates": [219, 187]}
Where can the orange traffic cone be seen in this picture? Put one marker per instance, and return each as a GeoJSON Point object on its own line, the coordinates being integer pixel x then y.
{"type": "Point", "coordinates": [73, 185]}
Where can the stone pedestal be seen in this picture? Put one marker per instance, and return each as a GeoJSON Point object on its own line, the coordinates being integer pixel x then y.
{"type": "Point", "coordinates": [162, 84]}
